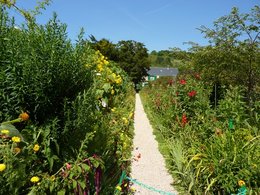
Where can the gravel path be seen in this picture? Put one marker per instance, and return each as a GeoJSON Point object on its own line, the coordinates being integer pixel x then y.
{"type": "Point", "coordinates": [148, 165]}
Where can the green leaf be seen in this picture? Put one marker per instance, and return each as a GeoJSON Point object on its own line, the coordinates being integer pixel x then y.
{"type": "Point", "coordinates": [107, 87]}
{"type": "Point", "coordinates": [85, 167]}
{"type": "Point", "coordinates": [62, 192]}
{"type": "Point", "coordinates": [52, 186]}
{"type": "Point", "coordinates": [82, 184]}
{"type": "Point", "coordinates": [74, 184]}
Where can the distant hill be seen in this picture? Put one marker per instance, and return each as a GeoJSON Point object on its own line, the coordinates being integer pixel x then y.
{"type": "Point", "coordinates": [174, 58]}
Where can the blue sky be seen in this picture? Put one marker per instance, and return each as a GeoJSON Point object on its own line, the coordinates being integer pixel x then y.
{"type": "Point", "coordinates": [159, 24]}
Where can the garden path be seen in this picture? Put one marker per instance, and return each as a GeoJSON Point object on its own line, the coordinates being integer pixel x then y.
{"type": "Point", "coordinates": [148, 166]}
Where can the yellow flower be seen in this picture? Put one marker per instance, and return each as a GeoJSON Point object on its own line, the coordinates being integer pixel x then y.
{"type": "Point", "coordinates": [112, 92]}
{"type": "Point", "coordinates": [52, 178]}
{"type": "Point", "coordinates": [16, 139]}
{"type": "Point", "coordinates": [118, 188]}
{"type": "Point", "coordinates": [36, 148]}
{"type": "Point", "coordinates": [124, 145]}
{"type": "Point", "coordinates": [241, 183]}
{"type": "Point", "coordinates": [114, 75]}
{"type": "Point", "coordinates": [35, 179]}
{"type": "Point", "coordinates": [5, 131]}
{"type": "Point", "coordinates": [125, 120]}
{"type": "Point", "coordinates": [17, 150]}
{"type": "Point", "coordinates": [2, 167]}
{"type": "Point", "coordinates": [113, 109]}
{"type": "Point", "coordinates": [118, 80]}
{"type": "Point", "coordinates": [100, 67]}
{"type": "Point", "coordinates": [132, 189]}
{"type": "Point", "coordinates": [130, 115]}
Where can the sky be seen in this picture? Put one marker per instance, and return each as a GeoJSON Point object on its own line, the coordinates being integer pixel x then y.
{"type": "Point", "coordinates": [158, 24]}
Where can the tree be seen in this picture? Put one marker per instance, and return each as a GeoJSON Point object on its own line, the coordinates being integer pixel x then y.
{"type": "Point", "coordinates": [106, 47]}
{"type": "Point", "coordinates": [133, 58]}
{"type": "Point", "coordinates": [234, 53]}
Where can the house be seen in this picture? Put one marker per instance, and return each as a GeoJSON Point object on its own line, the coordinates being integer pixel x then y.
{"type": "Point", "coordinates": [156, 72]}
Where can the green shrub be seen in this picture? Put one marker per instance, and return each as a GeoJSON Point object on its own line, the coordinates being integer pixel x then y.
{"type": "Point", "coordinates": [40, 68]}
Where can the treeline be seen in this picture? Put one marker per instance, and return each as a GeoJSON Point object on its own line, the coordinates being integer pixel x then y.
{"type": "Point", "coordinates": [174, 57]}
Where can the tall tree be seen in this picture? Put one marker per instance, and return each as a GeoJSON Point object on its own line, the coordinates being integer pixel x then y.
{"type": "Point", "coordinates": [106, 47]}
{"type": "Point", "coordinates": [234, 53]}
{"type": "Point", "coordinates": [133, 58]}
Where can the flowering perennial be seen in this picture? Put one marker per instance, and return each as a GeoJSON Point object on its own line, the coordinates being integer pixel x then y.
{"type": "Point", "coordinates": [184, 120]}
{"type": "Point", "coordinates": [183, 82]}
{"type": "Point", "coordinates": [16, 139]}
{"type": "Point", "coordinates": [36, 148]}
{"type": "Point", "coordinates": [241, 183]}
{"type": "Point", "coordinates": [2, 167]}
{"type": "Point", "coordinates": [35, 179]}
{"type": "Point", "coordinates": [192, 93]}
{"type": "Point", "coordinates": [5, 131]}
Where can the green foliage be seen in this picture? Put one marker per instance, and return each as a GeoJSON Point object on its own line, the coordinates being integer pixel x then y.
{"type": "Point", "coordinates": [25, 154]}
{"type": "Point", "coordinates": [35, 61]}
{"type": "Point", "coordinates": [105, 47]}
{"type": "Point", "coordinates": [204, 151]}
{"type": "Point", "coordinates": [174, 57]}
{"type": "Point", "coordinates": [132, 56]}
{"type": "Point", "coordinates": [79, 136]}
{"type": "Point", "coordinates": [233, 56]}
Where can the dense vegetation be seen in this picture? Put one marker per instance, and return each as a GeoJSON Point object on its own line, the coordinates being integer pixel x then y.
{"type": "Point", "coordinates": [132, 56]}
{"type": "Point", "coordinates": [66, 112]}
{"type": "Point", "coordinates": [67, 109]}
{"type": "Point", "coordinates": [207, 119]}
{"type": "Point", "coordinates": [208, 150]}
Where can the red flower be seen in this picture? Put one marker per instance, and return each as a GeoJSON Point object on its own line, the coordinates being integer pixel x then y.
{"type": "Point", "coordinates": [184, 120]}
{"type": "Point", "coordinates": [192, 93]}
{"type": "Point", "coordinates": [182, 82]}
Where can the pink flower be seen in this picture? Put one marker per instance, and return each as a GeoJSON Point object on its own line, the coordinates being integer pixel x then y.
{"type": "Point", "coordinates": [68, 166]}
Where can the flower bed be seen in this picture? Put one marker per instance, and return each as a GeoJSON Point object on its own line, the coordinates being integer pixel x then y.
{"type": "Point", "coordinates": [208, 150]}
